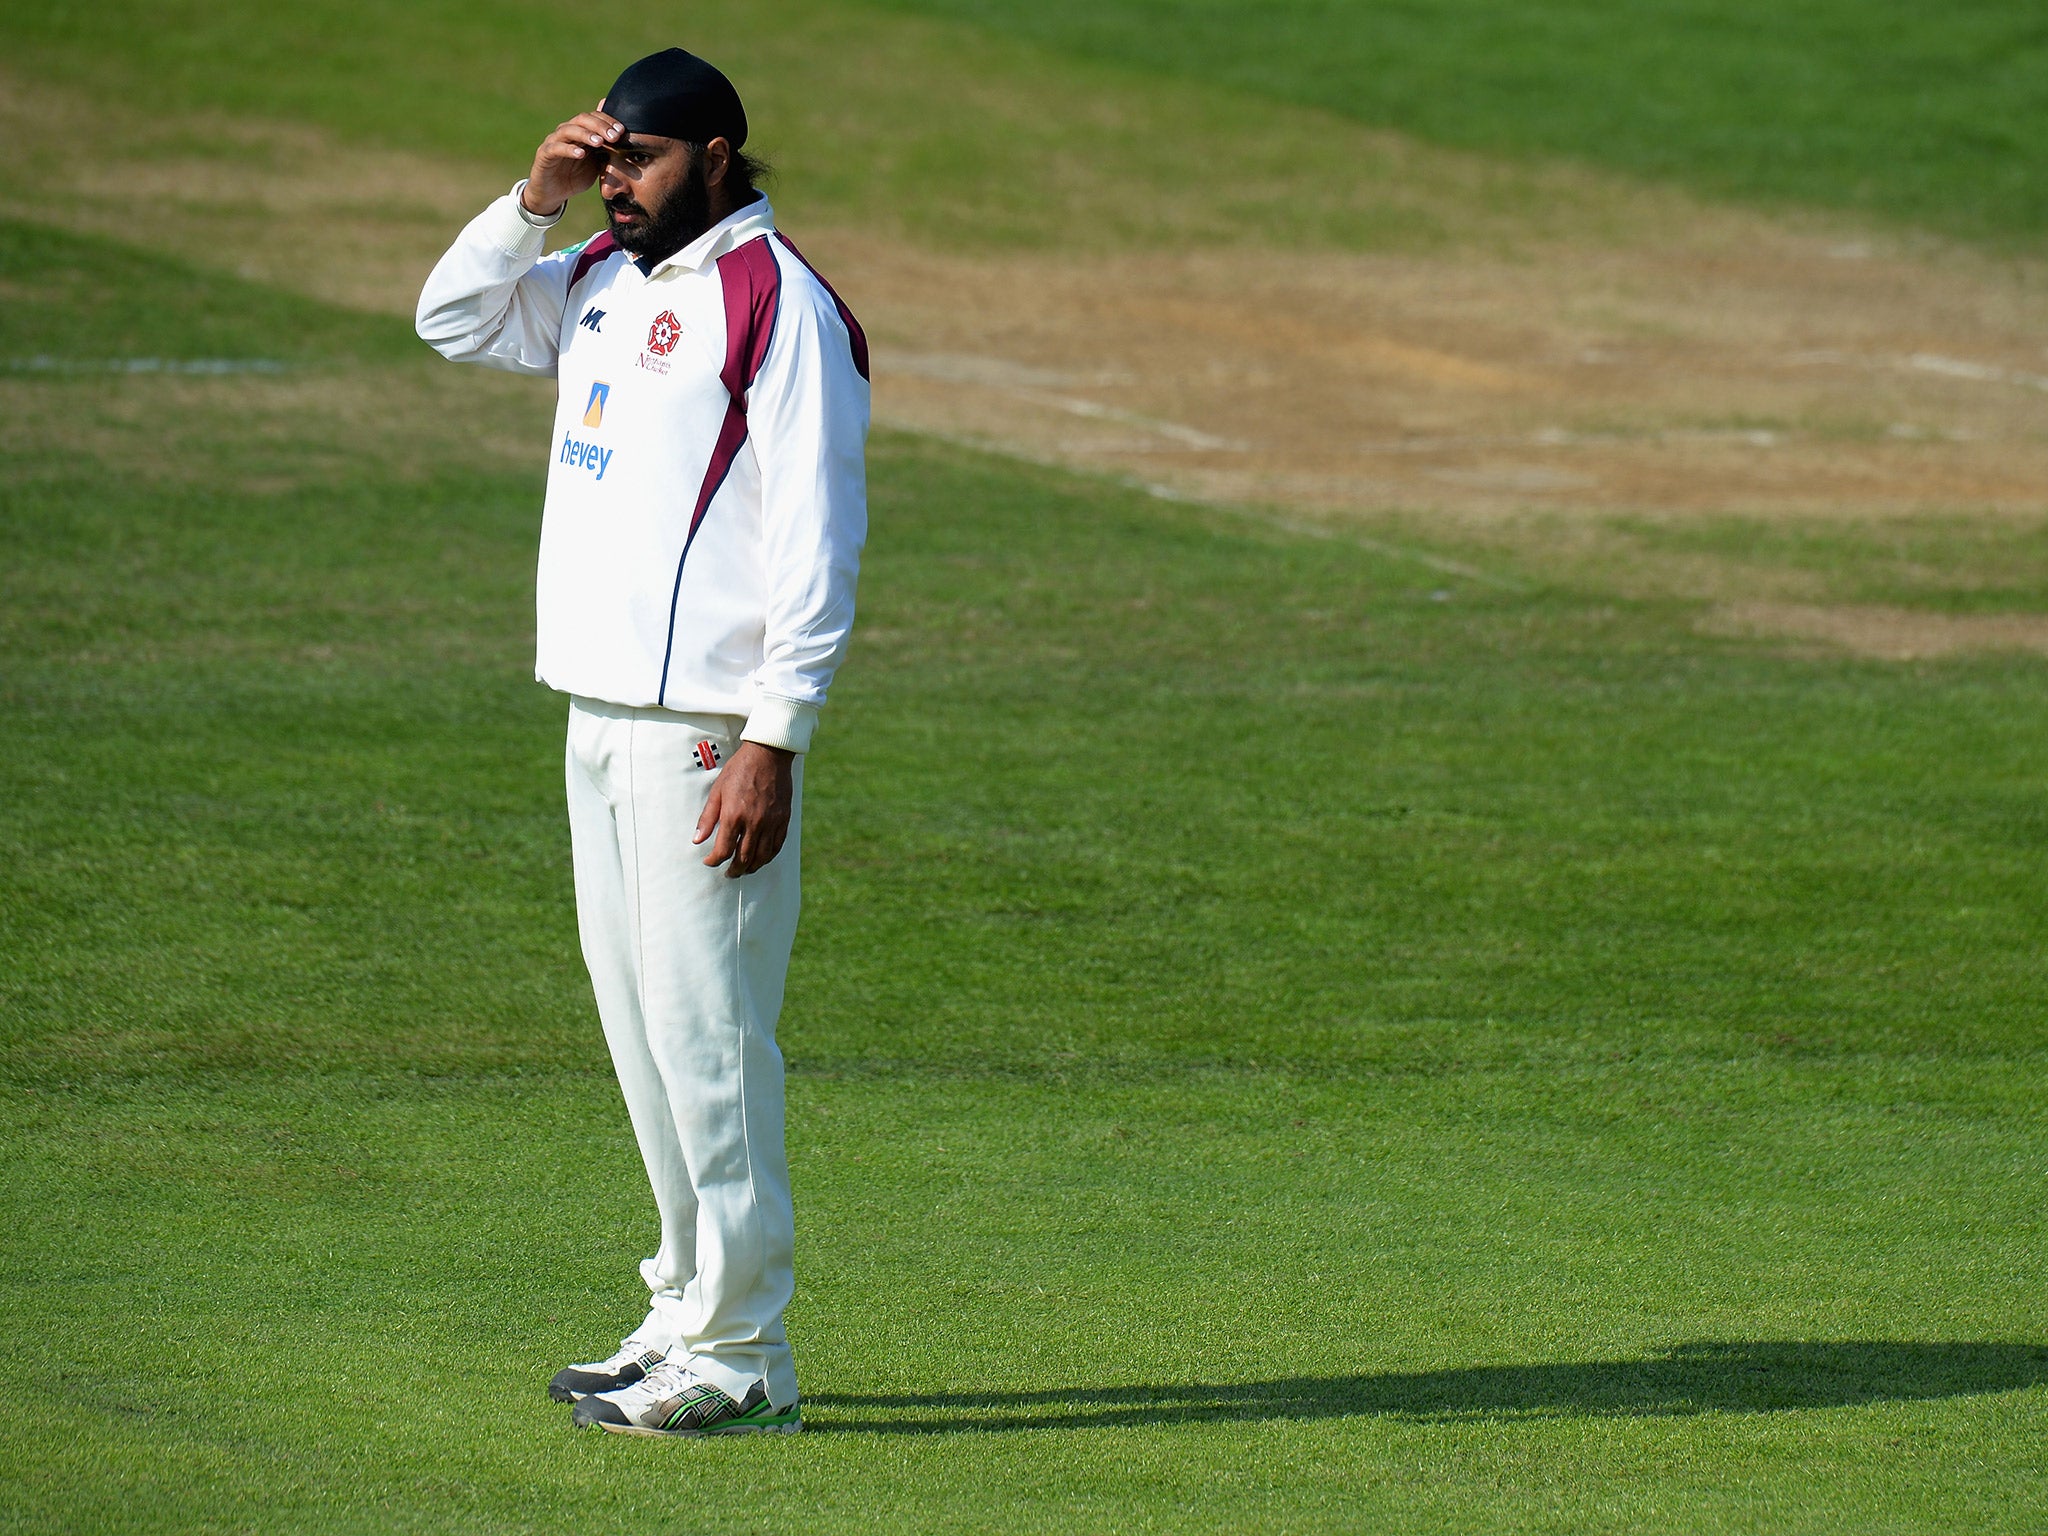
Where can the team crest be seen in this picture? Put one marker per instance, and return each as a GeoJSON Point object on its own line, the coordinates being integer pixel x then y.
{"type": "Point", "coordinates": [593, 413]}
{"type": "Point", "coordinates": [663, 335]}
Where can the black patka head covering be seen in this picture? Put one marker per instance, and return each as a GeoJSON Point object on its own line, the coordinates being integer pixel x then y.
{"type": "Point", "coordinates": [676, 95]}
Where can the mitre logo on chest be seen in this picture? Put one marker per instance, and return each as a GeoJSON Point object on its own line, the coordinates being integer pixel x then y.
{"type": "Point", "coordinates": [662, 337]}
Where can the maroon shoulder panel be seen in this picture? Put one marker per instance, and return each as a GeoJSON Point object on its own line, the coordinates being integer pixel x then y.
{"type": "Point", "coordinates": [855, 336]}
{"type": "Point", "coordinates": [594, 250]}
{"type": "Point", "coordinates": [753, 290]}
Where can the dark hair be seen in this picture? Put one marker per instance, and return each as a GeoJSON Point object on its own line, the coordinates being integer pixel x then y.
{"type": "Point", "coordinates": [744, 174]}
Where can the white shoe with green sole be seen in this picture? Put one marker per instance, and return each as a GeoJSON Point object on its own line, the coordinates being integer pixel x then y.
{"type": "Point", "coordinates": [671, 1399]}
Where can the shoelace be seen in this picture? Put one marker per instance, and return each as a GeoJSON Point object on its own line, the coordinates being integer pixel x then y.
{"type": "Point", "coordinates": [670, 1376]}
{"type": "Point", "coordinates": [631, 1350]}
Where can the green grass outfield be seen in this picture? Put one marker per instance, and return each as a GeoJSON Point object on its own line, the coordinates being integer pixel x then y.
{"type": "Point", "coordinates": [1935, 113]}
{"type": "Point", "coordinates": [1282, 1038]}
{"type": "Point", "coordinates": [965, 117]}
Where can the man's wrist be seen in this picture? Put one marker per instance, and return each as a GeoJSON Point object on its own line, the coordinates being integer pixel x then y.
{"type": "Point", "coordinates": [538, 216]}
{"type": "Point", "coordinates": [782, 723]}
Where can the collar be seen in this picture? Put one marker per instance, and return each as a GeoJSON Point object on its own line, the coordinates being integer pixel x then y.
{"type": "Point", "coordinates": [736, 229]}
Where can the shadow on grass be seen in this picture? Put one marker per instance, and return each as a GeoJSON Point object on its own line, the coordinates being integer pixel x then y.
{"type": "Point", "coordinates": [1711, 1377]}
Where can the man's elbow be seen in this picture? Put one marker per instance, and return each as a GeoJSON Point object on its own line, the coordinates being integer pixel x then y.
{"type": "Point", "coordinates": [445, 335]}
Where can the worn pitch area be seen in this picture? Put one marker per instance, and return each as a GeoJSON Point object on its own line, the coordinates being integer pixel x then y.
{"type": "Point", "coordinates": [1502, 383]}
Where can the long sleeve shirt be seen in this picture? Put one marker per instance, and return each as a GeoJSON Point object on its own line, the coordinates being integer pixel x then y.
{"type": "Point", "coordinates": [706, 497]}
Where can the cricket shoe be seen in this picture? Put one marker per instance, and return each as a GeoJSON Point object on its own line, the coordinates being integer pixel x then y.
{"type": "Point", "coordinates": [671, 1399]}
{"type": "Point", "coordinates": [636, 1357]}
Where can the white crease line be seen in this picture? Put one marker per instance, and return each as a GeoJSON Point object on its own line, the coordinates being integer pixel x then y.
{"type": "Point", "coordinates": [206, 365]}
{"type": "Point", "coordinates": [1754, 437]}
{"type": "Point", "coordinates": [1250, 514]}
{"type": "Point", "coordinates": [1443, 444]}
{"type": "Point", "coordinates": [995, 372]}
{"type": "Point", "coordinates": [1982, 373]}
{"type": "Point", "coordinates": [1341, 536]}
{"type": "Point", "coordinates": [1393, 551]}
{"type": "Point", "coordinates": [1074, 405]}
{"type": "Point", "coordinates": [1036, 385]}
{"type": "Point", "coordinates": [1926, 362]}
{"type": "Point", "coordinates": [1560, 437]}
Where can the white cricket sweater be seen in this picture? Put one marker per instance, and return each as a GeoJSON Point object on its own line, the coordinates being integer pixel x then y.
{"type": "Point", "coordinates": [707, 496]}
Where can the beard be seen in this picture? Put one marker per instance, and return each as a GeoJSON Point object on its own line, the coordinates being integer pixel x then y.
{"type": "Point", "coordinates": [659, 232]}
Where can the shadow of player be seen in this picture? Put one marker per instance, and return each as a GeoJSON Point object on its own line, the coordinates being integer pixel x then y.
{"type": "Point", "coordinates": [1706, 1377]}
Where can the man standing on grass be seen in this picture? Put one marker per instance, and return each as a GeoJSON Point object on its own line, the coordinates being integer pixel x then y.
{"type": "Point", "coordinates": [706, 507]}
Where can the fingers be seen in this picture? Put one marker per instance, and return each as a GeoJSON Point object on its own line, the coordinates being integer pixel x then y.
{"type": "Point", "coordinates": [730, 826]}
{"type": "Point", "coordinates": [749, 842]}
{"type": "Point", "coordinates": [588, 137]}
{"type": "Point", "coordinates": [573, 156]}
{"type": "Point", "coordinates": [759, 843]}
{"type": "Point", "coordinates": [593, 130]}
{"type": "Point", "coordinates": [746, 811]}
{"type": "Point", "coordinates": [771, 841]}
{"type": "Point", "coordinates": [748, 858]}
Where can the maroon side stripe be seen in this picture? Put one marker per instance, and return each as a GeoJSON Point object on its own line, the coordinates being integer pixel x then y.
{"type": "Point", "coordinates": [855, 336]}
{"type": "Point", "coordinates": [753, 292]}
{"type": "Point", "coordinates": [594, 250]}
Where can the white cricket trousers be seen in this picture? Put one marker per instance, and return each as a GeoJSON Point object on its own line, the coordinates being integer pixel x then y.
{"type": "Point", "coordinates": [688, 966]}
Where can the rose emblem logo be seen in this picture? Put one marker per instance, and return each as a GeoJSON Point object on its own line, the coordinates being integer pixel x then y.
{"type": "Point", "coordinates": [663, 335]}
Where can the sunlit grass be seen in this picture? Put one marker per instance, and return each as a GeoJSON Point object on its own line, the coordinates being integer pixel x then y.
{"type": "Point", "coordinates": [1282, 1037]}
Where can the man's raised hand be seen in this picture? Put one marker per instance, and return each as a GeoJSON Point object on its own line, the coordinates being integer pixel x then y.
{"type": "Point", "coordinates": [570, 159]}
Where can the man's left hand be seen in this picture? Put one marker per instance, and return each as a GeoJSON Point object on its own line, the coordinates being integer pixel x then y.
{"type": "Point", "coordinates": [748, 808]}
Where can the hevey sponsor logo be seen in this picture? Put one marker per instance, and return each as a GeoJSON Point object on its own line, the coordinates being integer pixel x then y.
{"type": "Point", "coordinates": [662, 337]}
{"type": "Point", "coordinates": [578, 454]}
{"type": "Point", "coordinates": [593, 321]}
{"type": "Point", "coordinates": [590, 456]}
